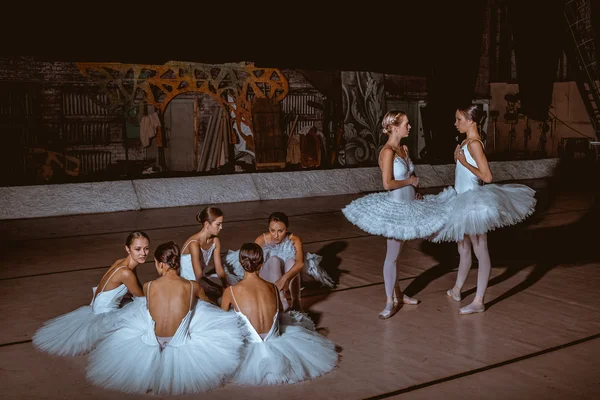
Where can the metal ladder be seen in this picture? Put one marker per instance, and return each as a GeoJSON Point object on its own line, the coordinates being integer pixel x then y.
{"type": "Point", "coordinates": [579, 23]}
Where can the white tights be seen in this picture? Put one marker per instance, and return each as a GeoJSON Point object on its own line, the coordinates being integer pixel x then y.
{"type": "Point", "coordinates": [480, 248]}
{"type": "Point", "coordinates": [390, 266]}
{"type": "Point", "coordinates": [273, 269]}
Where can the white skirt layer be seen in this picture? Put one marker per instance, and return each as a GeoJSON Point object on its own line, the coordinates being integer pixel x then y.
{"type": "Point", "coordinates": [211, 353]}
{"type": "Point", "coordinates": [76, 332]}
{"type": "Point", "coordinates": [312, 267]}
{"type": "Point", "coordinates": [486, 208]}
{"type": "Point", "coordinates": [380, 214]}
{"type": "Point", "coordinates": [298, 354]}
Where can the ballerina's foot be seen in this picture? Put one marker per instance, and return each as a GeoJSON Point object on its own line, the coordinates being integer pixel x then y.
{"type": "Point", "coordinates": [472, 309]}
{"type": "Point", "coordinates": [455, 295]}
{"type": "Point", "coordinates": [409, 300]}
{"type": "Point", "coordinates": [389, 310]}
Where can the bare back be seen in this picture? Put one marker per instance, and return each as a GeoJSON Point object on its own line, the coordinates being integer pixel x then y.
{"type": "Point", "coordinates": [111, 279]}
{"type": "Point", "coordinates": [257, 300]}
{"type": "Point", "coordinates": [169, 302]}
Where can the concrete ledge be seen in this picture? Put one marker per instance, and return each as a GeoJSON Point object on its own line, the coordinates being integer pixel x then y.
{"type": "Point", "coordinates": [366, 179]}
{"type": "Point", "coordinates": [100, 197]}
{"type": "Point", "coordinates": [445, 173]}
{"type": "Point", "coordinates": [68, 199]}
{"type": "Point", "coordinates": [286, 185]}
{"type": "Point", "coordinates": [177, 192]}
{"type": "Point", "coordinates": [429, 177]}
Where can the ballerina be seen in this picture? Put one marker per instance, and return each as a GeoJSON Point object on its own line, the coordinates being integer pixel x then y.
{"type": "Point", "coordinates": [284, 261]}
{"type": "Point", "coordinates": [478, 209]}
{"type": "Point", "coordinates": [170, 343]}
{"type": "Point", "coordinates": [401, 213]}
{"type": "Point", "coordinates": [201, 254]}
{"type": "Point", "coordinates": [280, 348]}
{"type": "Point", "coordinates": [78, 331]}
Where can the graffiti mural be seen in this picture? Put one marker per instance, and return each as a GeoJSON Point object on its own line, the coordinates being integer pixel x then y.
{"type": "Point", "coordinates": [230, 85]}
{"type": "Point", "coordinates": [364, 106]}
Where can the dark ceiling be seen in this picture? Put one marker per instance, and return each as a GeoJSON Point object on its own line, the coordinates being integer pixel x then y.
{"type": "Point", "coordinates": [398, 38]}
{"type": "Point", "coordinates": [404, 37]}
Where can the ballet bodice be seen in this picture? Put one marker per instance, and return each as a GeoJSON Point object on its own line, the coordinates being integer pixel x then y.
{"type": "Point", "coordinates": [284, 250]}
{"type": "Point", "coordinates": [254, 336]}
{"type": "Point", "coordinates": [108, 300]}
{"type": "Point", "coordinates": [186, 270]}
{"type": "Point", "coordinates": [182, 333]}
{"type": "Point", "coordinates": [403, 169]}
{"type": "Point", "coordinates": [464, 179]}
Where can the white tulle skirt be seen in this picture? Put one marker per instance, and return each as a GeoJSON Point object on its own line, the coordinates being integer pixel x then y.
{"type": "Point", "coordinates": [76, 332]}
{"type": "Point", "coordinates": [207, 359]}
{"type": "Point", "coordinates": [297, 354]}
{"type": "Point", "coordinates": [312, 268]}
{"type": "Point", "coordinates": [381, 214]}
{"type": "Point", "coordinates": [485, 208]}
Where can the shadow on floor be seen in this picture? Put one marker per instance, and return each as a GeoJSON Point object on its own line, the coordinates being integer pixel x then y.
{"type": "Point", "coordinates": [517, 248]}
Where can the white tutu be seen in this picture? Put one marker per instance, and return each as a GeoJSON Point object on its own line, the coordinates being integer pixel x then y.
{"type": "Point", "coordinates": [74, 333]}
{"type": "Point", "coordinates": [297, 354]}
{"type": "Point", "coordinates": [485, 208]}
{"type": "Point", "coordinates": [381, 214]}
{"type": "Point", "coordinates": [312, 267]}
{"type": "Point", "coordinates": [78, 331]}
{"type": "Point", "coordinates": [210, 353]}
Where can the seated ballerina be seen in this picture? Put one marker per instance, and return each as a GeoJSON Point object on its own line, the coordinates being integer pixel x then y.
{"type": "Point", "coordinates": [169, 344]}
{"type": "Point", "coordinates": [285, 261]}
{"type": "Point", "coordinates": [201, 254]}
{"type": "Point", "coordinates": [280, 348]}
{"type": "Point", "coordinates": [78, 331]}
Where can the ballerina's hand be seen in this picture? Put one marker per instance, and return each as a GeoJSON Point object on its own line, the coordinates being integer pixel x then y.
{"type": "Point", "coordinates": [281, 283]}
{"type": "Point", "coordinates": [456, 151]}
{"type": "Point", "coordinates": [461, 157]}
{"type": "Point", "coordinates": [414, 181]}
{"type": "Point", "coordinates": [418, 196]}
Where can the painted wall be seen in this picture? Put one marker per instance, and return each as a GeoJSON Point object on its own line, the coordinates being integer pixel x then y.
{"type": "Point", "coordinates": [568, 115]}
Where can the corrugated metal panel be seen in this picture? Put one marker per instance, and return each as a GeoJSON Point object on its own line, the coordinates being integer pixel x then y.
{"type": "Point", "coordinates": [92, 160]}
{"type": "Point", "coordinates": [86, 132]}
{"type": "Point", "coordinates": [84, 104]}
{"type": "Point", "coordinates": [298, 103]}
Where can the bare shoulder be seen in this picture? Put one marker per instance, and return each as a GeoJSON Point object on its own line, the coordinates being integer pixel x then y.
{"type": "Point", "coordinates": [386, 151]}
{"type": "Point", "coordinates": [260, 239]}
{"type": "Point", "coordinates": [192, 243]}
{"type": "Point", "coordinates": [227, 293]}
{"type": "Point", "coordinates": [295, 239]}
{"type": "Point", "coordinates": [125, 273]}
{"type": "Point", "coordinates": [386, 156]}
{"type": "Point", "coordinates": [475, 145]}
{"type": "Point", "coordinates": [192, 248]}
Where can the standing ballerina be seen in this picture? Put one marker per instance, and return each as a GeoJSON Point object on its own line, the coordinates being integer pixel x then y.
{"type": "Point", "coordinates": [201, 254]}
{"type": "Point", "coordinates": [478, 209]}
{"type": "Point", "coordinates": [78, 332]}
{"type": "Point", "coordinates": [395, 214]}
{"type": "Point", "coordinates": [397, 174]}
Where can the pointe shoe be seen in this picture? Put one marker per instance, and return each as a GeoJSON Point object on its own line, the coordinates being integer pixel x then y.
{"type": "Point", "coordinates": [455, 297]}
{"type": "Point", "coordinates": [388, 311]}
{"type": "Point", "coordinates": [472, 309]}
{"type": "Point", "coordinates": [407, 300]}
